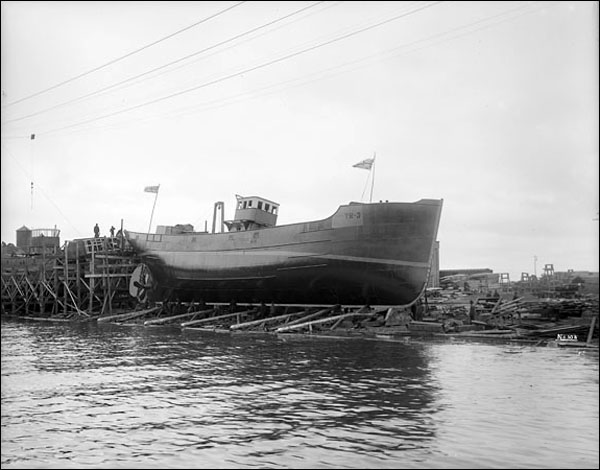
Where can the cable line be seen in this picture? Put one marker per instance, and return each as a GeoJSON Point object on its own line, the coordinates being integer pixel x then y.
{"type": "Point", "coordinates": [335, 70]}
{"type": "Point", "coordinates": [124, 56]}
{"type": "Point", "coordinates": [40, 188]}
{"type": "Point", "coordinates": [251, 69]}
{"type": "Point", "coordinates": [326, 73]}
{"type": "Point", "coordinates": [162, 66]}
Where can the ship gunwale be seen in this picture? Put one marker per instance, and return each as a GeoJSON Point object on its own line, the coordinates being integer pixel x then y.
{"type": "Point", "coordinates": [424, 202]}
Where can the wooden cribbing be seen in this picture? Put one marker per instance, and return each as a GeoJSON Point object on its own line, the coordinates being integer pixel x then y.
{"type": "Point", "coordinates": [128, 316]}
{"type": "Point", "coordinates": [496, 305]}
{"type": "Point", "coordinates": [79, 311]}
{"type": "Point", "coordinates": [309, 316]}
{"type": "Point", "coordinates": [263, 320]}
{"type": "Point", "coordinates": [17, 286]}
{"type": "Point", "coordinates": [323, 320]}
{"type": "Point", "coordinates": [507, 306]}
{"type": "Point", "coordinates": [158, 321]}
{"type": "Point", "coordinates": [360, 310]}
{"type": "Point", "coordinates": [45, 285]}
{"type": "Point", "coordinates": [218, 317]}
{"type": "Point", "coordinates": [33, 290]}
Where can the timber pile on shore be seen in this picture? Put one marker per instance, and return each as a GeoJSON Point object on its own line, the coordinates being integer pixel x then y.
{"type": "Point", "coordinates": [572, 321]}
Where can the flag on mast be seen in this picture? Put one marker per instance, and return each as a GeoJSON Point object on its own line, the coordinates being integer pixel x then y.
{"type": "Point", "coordinates": [152, 189]}
{"type": "Point", "coordinates": [365, 164]}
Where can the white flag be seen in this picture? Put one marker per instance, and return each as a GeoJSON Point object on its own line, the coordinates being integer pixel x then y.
{"type": "Point", "coordinates": [365, 164]}
{"type": "Point", "coordinates": [151, 189]}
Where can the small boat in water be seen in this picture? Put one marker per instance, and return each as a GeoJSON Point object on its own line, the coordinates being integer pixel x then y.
{"type": "Point", "coordinates": [363, 254]}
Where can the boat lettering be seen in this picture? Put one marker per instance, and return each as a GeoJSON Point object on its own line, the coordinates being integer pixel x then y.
{"type": "Point", "coordinates": [347, 217]}
{"type": "Point", "coordinates": [563, 337]}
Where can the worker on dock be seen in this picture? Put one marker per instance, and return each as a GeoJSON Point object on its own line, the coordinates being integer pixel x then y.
{"type": "Point", "coordinates": [96, 231]}
{"type": "Point", "coordinates": [112, 231]}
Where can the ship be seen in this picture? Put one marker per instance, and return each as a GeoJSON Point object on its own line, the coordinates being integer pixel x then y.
{"type": "Point", "coordinates": [376, 254]}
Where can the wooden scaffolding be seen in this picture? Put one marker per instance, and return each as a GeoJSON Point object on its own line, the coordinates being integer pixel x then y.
{"type": "Point", "coordinates": [86, 277]}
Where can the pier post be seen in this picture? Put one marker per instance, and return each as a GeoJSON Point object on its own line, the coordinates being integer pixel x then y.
{"type": "Point", "coordinates": [108, 278]}
{"type": "Point", "coordinates": [41, 273]}
{"type": "Point", "coordinates": [66, 278]}
{"type": "Point", "coordinates": [77, 275]}
{"type": "Point", "coordinates": [591, 332]}
{"type": "Point", "coordinates": [92, 281]}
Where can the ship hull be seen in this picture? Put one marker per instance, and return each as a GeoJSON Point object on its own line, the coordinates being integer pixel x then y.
{"type": "Point", "coordinates": [364, 254]}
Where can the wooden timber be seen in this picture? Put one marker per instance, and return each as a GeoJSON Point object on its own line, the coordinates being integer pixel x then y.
{"type": "Point", "coordinates": [129, 315]}
{"type": "Point", "coordinates": [263, 321]}
{"type": "Point", "coordinates": [160, 321]}
{"type": "Point", "coordinates": [218, 317]}
{"type": "Point", "coordinates": [591, 331]}
{"type": "Point", "coordinates": [309, 324]}
{"type": "Point", "coordinates": [310, 316]}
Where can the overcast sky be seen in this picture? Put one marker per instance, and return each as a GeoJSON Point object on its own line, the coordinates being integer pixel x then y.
{"type": "Point", "coordinates": [490, 106]}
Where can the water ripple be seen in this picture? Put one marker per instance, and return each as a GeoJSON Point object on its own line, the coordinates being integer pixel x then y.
{"type": "Point", "coordinates": [88, 396]}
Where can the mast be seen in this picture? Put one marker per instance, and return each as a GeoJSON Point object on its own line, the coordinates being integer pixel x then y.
{"type": "Point", "coordinates": [31, 139]}
{"type": "Point", "coordinates": [153, 206]}
{"type": "Point", "coordinates": [368, 164]}
{"type": "Point", "coordinates": [372, 177]}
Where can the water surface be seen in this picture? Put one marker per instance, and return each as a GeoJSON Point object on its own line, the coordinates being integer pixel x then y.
{"type": "Point", "coordinates": [106, 396]}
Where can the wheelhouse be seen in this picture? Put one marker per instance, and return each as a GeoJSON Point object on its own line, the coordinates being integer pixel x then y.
{"type": "Point", "coordinates": [253, 213]}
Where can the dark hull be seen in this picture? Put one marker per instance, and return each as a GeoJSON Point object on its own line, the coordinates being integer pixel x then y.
{"type": "Point", "coordinates": [365, 254]}
{"type": "Point", "coordinates": [339, 282]}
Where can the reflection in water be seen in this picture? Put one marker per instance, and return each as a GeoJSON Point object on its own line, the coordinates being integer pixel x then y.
{"type": "Point", "coordinates": [93, 395]}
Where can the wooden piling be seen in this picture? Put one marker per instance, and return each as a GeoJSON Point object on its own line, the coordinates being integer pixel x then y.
{"type": "Point", "coordinates": [92, 281]}
{"type": "Point", "coordinates": [77, 272]}
{"type": "Point", "coordinates": [65, 278]}
{"type": "Point", "coordinates": [591, 332]}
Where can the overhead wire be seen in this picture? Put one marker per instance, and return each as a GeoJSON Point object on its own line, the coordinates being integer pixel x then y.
{"type": "Point", "coordinates": [287, 50]}
{"type": "Point", "coordinates": [294, 49]}
{"type": "Point", "coordinates": [39, 188]}
{"type": "Point", "coordinates": [127, 80]}
{"type": "Point", "coordinates": [245, 71]}
{"type": "Point", "coordinates": [391, 53]}
{"type": "Point", "coordinates": [118, 59]}
{"type": "Point", "coordinates": [371, 57]}
{"type": "Point", "coordinates": [179, 67]}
